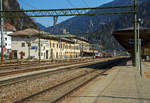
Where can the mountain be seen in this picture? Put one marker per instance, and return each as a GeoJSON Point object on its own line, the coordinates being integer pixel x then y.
{"type": "Point", "coordinates": [103, 25]}
{"type": "Point", "coordinates": [19, 23]}
{"type": "Point", "coordinates": [84, 20]}
{"type": "Point", "coordinates": [42, 27]}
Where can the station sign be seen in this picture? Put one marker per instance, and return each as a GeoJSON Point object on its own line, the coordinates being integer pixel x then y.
{"type": "Point", "coordinates": [131, 42]}
{"type": "Point", "coordinates": [34, 47]}
{"type": "Point", "coordinates": [43, 42]}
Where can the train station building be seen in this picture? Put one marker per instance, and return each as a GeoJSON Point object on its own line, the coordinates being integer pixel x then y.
{"type": "Point", "coordinates": [8, 29]}
{"type": "Point", "coordinates": [25, 44]}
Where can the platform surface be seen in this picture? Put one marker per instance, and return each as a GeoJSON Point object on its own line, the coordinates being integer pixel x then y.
{"type": "Point", "coordinates": [122, 85]}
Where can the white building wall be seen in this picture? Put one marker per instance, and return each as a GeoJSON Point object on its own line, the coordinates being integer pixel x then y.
{"type": "Point", "coordinates": [50, 49]}
{"type": "Point", "coordinates": [17, 45]}
{"type": "Point", "coordinates": [62, 50]}
{"type": "Point", "coordinates": [7, 40]}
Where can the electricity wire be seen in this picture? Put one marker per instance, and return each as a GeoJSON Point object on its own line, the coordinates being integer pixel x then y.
{"type": "Point", "coordinates": [86, 4]}
{"type": "Point", "coordinates": [70, 3]}
{"type": "Point", "coordinates": [28, 4]}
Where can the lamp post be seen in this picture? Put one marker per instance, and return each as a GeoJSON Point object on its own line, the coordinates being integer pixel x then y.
{"type": "Point", "coordinates": [93, 50]}
{"type": "Point", "coordinates": [135, 33]}
{"type": "Point", "coordinates": [39, 47]}
{"type": "Point", "coordinates": [74, 49]}
{"type": "Point", "coordinates": [139, 47]}
{"type": "Point", "coordinates": [2, 33]}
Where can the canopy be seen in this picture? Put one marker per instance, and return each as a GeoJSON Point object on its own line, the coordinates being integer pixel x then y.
{"type": "Point", "coordinates": [124, 36]}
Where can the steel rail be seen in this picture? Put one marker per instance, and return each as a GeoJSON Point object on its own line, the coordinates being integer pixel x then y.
{"type": "Point", "coordinates": [40, 74]}
{"type": "Point", "coordinates": [53, 87]}
{"type": "Point", "coordinates": [81, 85]}
{"type": "Point", "coordinates": [25, 68]}
{"type": "Point", "coordinates": [111, 63]}
{"type": "Point", "coordinates": [31, 77]}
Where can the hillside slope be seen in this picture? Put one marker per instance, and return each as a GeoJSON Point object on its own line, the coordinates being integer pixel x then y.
{"type": "Point", "coordinates": [26, 22]}
{"type": "Point", "coordinates": [105, 24]}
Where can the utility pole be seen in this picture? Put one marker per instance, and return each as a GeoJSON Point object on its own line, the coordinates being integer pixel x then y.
{"type": "Point", "coordinates": [139, 47]}
{"type": "Point", "coordinates": [93, 50]}
{"type": "Point", "coordinates": [39, 47]}
{"type": "Point", "coordinates": [2, 33]}
{"type": "Point", "coordinates": [135, 33]}
{"type": "Point", "coordinates": [82, 50]}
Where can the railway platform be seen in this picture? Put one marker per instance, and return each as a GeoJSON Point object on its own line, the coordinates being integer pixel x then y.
{"type": "Point", "coordinates": [123, 84]}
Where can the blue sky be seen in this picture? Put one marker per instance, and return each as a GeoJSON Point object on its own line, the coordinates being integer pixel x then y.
{"type": "Point", "coordinates": [57, 4]}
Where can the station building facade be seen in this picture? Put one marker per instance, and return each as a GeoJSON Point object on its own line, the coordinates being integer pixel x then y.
{"type": "Point", "coordinates": [30, 42]}
{"type": "Point", "coordinates": [8, 29]}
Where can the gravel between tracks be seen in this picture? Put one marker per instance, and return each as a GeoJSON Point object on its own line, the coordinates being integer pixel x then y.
{"type": "Point", "coordinates": [50, 95]}
{"type": "Point", "coordinates": [14, 92]}
{"type": "Point", "coordinates": [28, 68]}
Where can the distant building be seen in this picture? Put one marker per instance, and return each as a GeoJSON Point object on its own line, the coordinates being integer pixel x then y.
{"type": "Point", "coordinates": [84, 45]}
{"type": "Point", "coordinates": [8, 29]}
{"type": "Point", "coordinates": [64, 48]}
{"type": "Point", "coordinates": [25, 44]}
{"type": "Point", "coordinates": [64, 31]}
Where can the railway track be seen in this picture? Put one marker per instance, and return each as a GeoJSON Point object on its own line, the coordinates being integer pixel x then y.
{"type": "Point", "coordinates": [22, 78]}
{"type": "Point", "coordinates": [29, 68]}
{"type": "Point", "coordinates": [16, 66]}
{"type": "Point", "coordinates": [30, 77]}
{"type": "Point", "coordinates": [18, 62]}
{"type": "Point", "coordinates": [61, 90]}
{"type": "Point", "coordinates": [33, 67]}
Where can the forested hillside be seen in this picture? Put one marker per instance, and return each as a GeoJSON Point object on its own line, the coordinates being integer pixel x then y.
{"type": "Point", "coordinates": [103, 25]}
{"type": "Point", "coordinates": [19, 23]}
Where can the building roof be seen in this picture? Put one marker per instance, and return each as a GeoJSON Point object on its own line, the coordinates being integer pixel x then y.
{"type": "Point", "coordinates": [9, 27]}
{"type": "Point", "coordinates": [26, 32]}
{"type": "Point", "coordinates": [131, 29]}
{"type": "Point", "coordinates": [33, 32]}
{"type": "Point", "coordinates": [124, 35]}
{"type": "Point", "coordinates": [76, 37]}
{"type": "Point", "coordinates": [68, 40]}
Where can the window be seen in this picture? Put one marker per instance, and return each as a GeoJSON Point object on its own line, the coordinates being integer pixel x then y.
{"type": "Point", "coordinates": [44, 48]}
{"type": "Point", "coordinates": [5, 44]}
{"type": "Point", "coordinates": [6, 39]}
{"type": "Point", "coordinates": [23, 44]}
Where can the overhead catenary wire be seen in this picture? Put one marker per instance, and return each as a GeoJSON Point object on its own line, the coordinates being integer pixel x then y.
{"type": "Point", "coordinates": [28, 4]}
{"type": "Point", "coordinates": [70, 3]}
{"type": "Point", "coordinates": [86, 4]}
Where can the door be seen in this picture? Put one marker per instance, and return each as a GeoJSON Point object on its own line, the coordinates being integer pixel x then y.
{"type": "Point", "coordinates": [14, 52]}
{"type": "Point", "coordinates": [46, 54]}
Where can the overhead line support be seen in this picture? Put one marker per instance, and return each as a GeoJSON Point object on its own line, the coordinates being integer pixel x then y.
{"type": "Point", "coordinates": [66, 12]}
